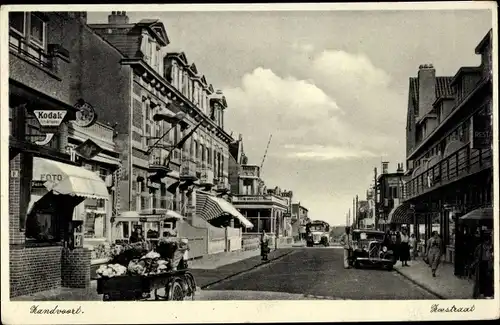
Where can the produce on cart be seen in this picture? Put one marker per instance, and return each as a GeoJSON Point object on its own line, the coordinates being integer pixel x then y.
{"type": "Point", "coordinates": [134, 272]}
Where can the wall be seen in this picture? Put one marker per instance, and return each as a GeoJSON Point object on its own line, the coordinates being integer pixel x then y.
{"type": "Point", "coordinates": [49, 81]}
{"type": "Point", "coordinates": [99, 78]}
{"type": "Point", "coordinates": [34, 269]}
{"type": "Point", "coordinates": [250, 242]}
{"type": "Point", "coordinates": [234, 239]}
{"type": "Point", "coordinates": [198, 239]}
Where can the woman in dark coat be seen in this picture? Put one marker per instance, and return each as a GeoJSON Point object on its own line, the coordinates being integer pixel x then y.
{"type": "Point", "coordinates": [136, 236]}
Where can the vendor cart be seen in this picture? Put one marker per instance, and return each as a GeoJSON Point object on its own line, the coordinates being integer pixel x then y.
{"type": "Point", "coordinates": [172, 285]}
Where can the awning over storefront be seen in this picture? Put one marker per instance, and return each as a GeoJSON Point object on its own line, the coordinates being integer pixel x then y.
{"type": "Point", "coordinates": [482, 214]}
{"type": "Point", "coordinates": [71, 180]}
{"type": "Point", "coordinates": [401, 214]}
{"type": "Point", "coordinates": [211, 207]}
{"type": "Point", "coordinates": [148, 215]}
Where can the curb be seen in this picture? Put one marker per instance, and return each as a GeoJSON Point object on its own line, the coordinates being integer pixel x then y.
{"type": "Point", "coordinates": [420, 285]}
{"type": "Point", "coordinates": [241, 272]}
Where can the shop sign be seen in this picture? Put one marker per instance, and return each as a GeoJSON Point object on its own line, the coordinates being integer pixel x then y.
{"type": "Point", "coordinates": [37, 184]}
{"type": "Point", "coordinates": [85, 114]}
{"type": "Point", "coordinates": [50, 118]}
{"type": "Point", "coordinates": [51, 177]}
{"type": "Point", "coordinates": [88, 150]}
{"type": "Point", "coordinates": [481, 131]}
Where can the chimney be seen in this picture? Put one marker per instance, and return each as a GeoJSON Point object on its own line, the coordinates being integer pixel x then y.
{"type": "Point", "coordinates": [426, 88]}
{"type": "Point", "coordinates": [385, 167]}
{"type": "Point", "coordinates": [118, 18]}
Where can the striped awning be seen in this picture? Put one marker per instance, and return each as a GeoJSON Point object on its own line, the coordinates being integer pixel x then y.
{"type": "Point", "coordinates": [401, 214]}
{"type": "Point", "coordinates": [211, 207]}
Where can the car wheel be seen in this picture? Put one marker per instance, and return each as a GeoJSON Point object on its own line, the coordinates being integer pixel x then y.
{"type": "Point", "coordinates": [389, 267]}
{"type": "Point", "coordinates": [357, 265]}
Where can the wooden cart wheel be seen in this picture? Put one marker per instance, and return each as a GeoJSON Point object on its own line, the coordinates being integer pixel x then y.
{"type": "Point", "coordinates": [191, 284]}
{"type": "Point", "coordinates": [177, 292]}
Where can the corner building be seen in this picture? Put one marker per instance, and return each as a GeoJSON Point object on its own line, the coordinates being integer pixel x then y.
{"type": "Point", "coordinates": [164, 82]}
{"type": "Point", "coordinates": [449, 152]}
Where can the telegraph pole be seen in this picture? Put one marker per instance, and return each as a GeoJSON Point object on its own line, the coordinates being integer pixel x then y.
{"type": "Point", "coordinates": [357, 212]}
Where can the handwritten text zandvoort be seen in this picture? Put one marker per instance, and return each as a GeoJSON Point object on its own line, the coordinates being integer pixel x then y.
{"type": "Point", "coordinates": [35, 309]}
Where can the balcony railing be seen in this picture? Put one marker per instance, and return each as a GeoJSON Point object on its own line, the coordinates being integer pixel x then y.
{"type": "Point", "coordinates": [259, 198]}
{"type": "Point", "coordinates": [158, 159]}
{"type": "Point", "coordinates": [188, 168]}
{"type": "Point", "coordinates": [207, 176]}
{"type": "Point", "coordinates": [18, 45]}
{"type": "Point", "coordinates": [250, 171]}
{"type": "Point", "coordinates": [463, 162]}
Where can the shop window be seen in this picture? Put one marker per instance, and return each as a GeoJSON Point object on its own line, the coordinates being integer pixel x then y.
{"type": "Point", "coordinates": [125, 229]}
{"type": "Point", "coordinates": [44, 222]}
{"type": "Point", "coordinates": [28, 36]}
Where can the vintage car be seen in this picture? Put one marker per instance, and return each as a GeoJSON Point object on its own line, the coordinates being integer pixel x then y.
{"type": "Point", "coordinates": [369, 250]}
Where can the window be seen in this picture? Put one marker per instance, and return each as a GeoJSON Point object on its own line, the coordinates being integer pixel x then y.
{"type": "Point", "coordinates": [33, 130]}
{"type": "Point", "coordinates": [155, 201]}
{"type": "Point", "coordinates": [37, 31]}
{"type": "Point", "coordinates": [125, 229]}
{"type": "Point", "coordinates": [144, 202]}
{"type": "Point", "coordinates": [17, 22]}
{"type": "Point", "coordinates": [28, 36]}
{"type": "Point", "coordinates": [43, 226]}
{"type": "Point", "coordinates": [103, 172]}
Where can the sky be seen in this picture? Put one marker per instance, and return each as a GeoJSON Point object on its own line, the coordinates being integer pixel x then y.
{"type": "Point", "coordinates": [330, 86]}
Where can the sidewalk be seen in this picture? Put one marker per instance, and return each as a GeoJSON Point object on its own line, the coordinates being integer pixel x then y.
{"type": "Point", "coordinates": [445, 285]}
{"type": "Point", "coordinates": [208, 270]}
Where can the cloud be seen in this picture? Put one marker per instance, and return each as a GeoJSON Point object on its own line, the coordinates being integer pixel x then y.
{"type": "Point", "coordinates": [318, 152]}
{"type": "Point", "coordinates": [303, 47]}
{"type": "Point", "coordinates": [331, 105]}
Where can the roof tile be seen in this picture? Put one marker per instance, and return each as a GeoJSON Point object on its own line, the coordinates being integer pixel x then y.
{"type": "Point", "coordinates": [443, 87]}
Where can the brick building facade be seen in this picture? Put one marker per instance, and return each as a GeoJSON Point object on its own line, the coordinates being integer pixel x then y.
{"type": "Point", "coordinates": [165, 83]}
{"type": "Point", "coordinates": [41, 78]}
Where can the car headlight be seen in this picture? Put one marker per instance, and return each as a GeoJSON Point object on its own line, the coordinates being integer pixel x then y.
{"type": "Point", "coordinates": [384, 249]}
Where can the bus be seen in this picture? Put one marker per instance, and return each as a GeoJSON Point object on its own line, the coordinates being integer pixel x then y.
{"type": "Point", "coordinates": [318, 233]}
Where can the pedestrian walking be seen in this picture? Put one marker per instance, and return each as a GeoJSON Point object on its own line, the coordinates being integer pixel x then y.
{"type": "Point", "coordinates": [346, 241]}
{"type": "Point", "coordinates": [396, 243]}
{"type": "Point", "coordinates": [264, 246]}
{"type": "Point", "coordinates": [404, 248]}
{"type": "Point", "coordinates": [413, 247]}
{"type": "Point", "coordinates": [434, 252]}
{"type": "Point", "coordinates": [483, 264]}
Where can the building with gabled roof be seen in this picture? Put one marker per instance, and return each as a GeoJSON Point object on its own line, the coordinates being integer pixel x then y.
{"type": "Point", "coordinates": [449, 152]}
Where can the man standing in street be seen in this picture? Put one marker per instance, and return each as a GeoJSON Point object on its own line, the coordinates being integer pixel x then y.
{"type": "Point", "coordinates": [346, 241]}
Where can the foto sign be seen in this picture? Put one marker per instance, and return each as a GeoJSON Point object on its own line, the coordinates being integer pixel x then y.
{"type": "Point", "coordinates": [50, 118]}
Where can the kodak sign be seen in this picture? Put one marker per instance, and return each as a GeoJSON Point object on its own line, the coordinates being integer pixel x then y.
{"type": "Point", "coordinates": [50, 118]}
